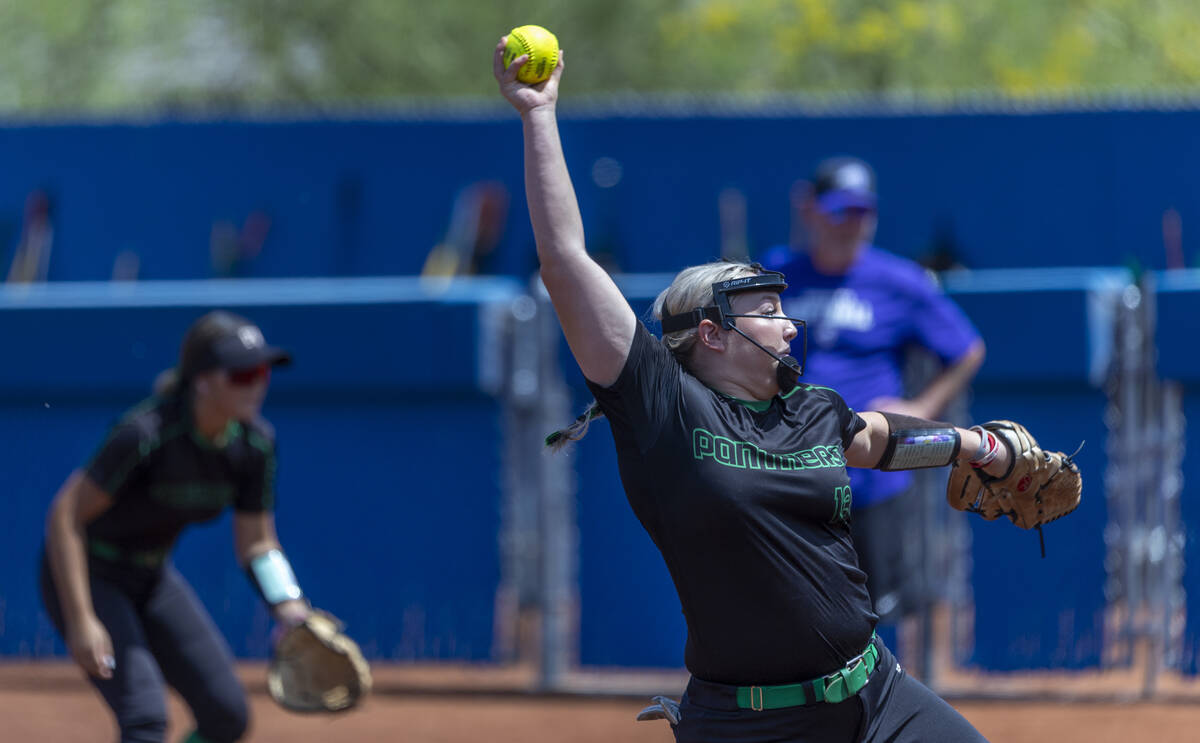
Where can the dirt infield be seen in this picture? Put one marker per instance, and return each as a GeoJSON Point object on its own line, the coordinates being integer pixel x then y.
{"type": "Point", "coordinates": [50, 703]}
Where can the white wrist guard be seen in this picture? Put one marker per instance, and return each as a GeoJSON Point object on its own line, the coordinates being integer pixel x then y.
{"type": "Point", "coordinates": [272, 575]}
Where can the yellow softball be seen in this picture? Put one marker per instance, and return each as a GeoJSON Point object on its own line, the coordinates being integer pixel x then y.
{"type": "Point", "coordinates": [540, 45]}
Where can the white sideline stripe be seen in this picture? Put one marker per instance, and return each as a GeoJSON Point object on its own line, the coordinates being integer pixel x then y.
{"type": "Point", "coordinates": [256, 292]}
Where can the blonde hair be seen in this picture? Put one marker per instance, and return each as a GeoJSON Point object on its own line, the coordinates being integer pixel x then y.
{"type": "Point", "coordinates": [168, 383]}
{"type": "Point", "coordinates": [691, 288]}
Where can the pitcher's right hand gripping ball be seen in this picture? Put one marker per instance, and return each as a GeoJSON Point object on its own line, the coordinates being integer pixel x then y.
{"type": "Point", "coordinates": [540, 45]}
{"type": "Point", "coordinates": [1039, 487]}
{"type": "Point", "coordinates": [316, 668]}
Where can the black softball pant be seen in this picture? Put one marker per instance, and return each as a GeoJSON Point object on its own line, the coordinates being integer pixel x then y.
{"type": "Point", "coordinates": [892, 708]}
{"type": "Point", "coordinates": [162, 635]}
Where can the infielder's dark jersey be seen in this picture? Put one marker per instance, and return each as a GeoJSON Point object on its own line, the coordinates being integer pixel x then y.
{"type": "Point", "coordinates": [749, 504]}
{"type": "Point", "coordinates": [163, 475]}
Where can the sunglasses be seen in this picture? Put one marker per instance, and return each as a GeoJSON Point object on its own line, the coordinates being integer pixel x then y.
{"type": "Point", "coordinates": [247, 377]}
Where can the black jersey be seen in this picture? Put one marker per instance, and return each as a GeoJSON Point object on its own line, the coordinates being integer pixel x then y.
{"type": "Point", "coordinates": [749, 504]}
{"type": "Point", "coordinates": [163, 475]}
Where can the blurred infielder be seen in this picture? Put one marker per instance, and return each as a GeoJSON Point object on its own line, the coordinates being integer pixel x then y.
{"type": "Point", "coordinates": [865, 307]}
{"type": "Point", "coordinates": [738, 474]}
{"type": "Point", "coordinates": [129, 618]}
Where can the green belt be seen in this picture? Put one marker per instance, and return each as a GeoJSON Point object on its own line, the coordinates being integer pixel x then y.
{"type": "Point", "coordinates": [833, 688]}
{"type": "Point", "coordinates": [113, 553]}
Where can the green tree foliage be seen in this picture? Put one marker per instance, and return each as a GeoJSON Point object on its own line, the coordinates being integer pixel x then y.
{"type": "Point", "coordinates": [120, 54]}
{"type": "Point", "coordinates": [1016, 47]}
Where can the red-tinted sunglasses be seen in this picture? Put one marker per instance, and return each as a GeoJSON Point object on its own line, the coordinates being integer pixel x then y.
{"type": "Point", "coordinates": [247, 377]}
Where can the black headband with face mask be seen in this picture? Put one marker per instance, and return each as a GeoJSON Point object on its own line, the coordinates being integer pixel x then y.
{"type": "Point", "coordinates": [720, 313]}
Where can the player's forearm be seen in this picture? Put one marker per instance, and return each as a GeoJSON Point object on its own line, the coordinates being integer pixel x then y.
{"type": "Point", "coordinates": [253, 535]}
{"type": "Point", "coordinates": [553, 210]}
{"type": "Point", "coordinates": [65, 541]}
{"type": "Point", "coordinates": [950, 383]}
{"type": "Point", "coordinates": [897, 442]}
{"type": "Point", "coordinates": [261, 555]}
{"type": "Point", "coordinates": [247, 552]}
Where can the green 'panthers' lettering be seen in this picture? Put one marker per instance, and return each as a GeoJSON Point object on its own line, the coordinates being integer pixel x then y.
{"type": "Point", "coordinates": [841, 504]}
{"type": "Point", "coordinates": [744, 455]}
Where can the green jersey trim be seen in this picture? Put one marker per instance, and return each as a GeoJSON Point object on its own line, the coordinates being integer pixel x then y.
{"type": "Point", "coordinates": [757, 406]}
{"type": "Point", "coordinates": [809, 387]}
{"type": "Point", "coordinates": [232, 430]}
{"type": "Point", "coordinates": [760, 406]}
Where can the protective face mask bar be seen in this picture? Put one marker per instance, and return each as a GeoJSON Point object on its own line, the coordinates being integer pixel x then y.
{"type": "Point", "coordinates": [720, 313]}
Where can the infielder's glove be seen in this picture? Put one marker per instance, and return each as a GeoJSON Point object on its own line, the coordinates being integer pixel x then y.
{"type": "Point", "coordinates": [316, 668]}
{"type": "Point", "coordinates": [1039, 487]}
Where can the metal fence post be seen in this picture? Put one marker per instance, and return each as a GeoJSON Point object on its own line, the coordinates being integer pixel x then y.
{"type": "Point", "coordinates": [559, 533]}
{"type": "Point", "coordinates": [1162, 486]}
{"type": "Point", "coordinates": [1144, 535]}
{"type": "Point", "coordinates": [535, 607]}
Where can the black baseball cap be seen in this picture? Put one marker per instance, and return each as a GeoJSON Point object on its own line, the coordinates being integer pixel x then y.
{"type": "Point", "coordinates": [223, 340]}
{"type": "Point", "coordinates": [844, 183]}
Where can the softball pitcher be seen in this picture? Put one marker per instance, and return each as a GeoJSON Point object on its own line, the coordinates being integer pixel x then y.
{"type": "Point", "coordinates": [738, 473]}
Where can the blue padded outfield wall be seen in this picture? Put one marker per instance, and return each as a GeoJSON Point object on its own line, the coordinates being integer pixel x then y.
{"type": "Point", "coordinates": [373, 197]}
{"type": "Point", "coordinates": [1050, 384]}
{"type": "Point", "coordinates": [380, 540]}
{"type": "Point", "coordinates": [628, 608]}
{"type": "Point", "coordinates": [405, 546]}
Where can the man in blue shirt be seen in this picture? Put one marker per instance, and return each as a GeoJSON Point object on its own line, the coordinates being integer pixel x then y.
{"type": "Point", "coordinates": [864, 308]}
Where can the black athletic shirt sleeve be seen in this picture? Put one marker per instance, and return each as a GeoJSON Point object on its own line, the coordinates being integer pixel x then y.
{"type": "Point", "coordinates": [849, 422]}
{"type": "Point", "coordinates": [646, 392]}
{"type": "Point", "coordinates": [256, 491]}
{"type": "Point", "coordinates": [115, 463]}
